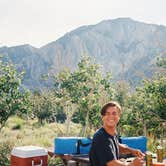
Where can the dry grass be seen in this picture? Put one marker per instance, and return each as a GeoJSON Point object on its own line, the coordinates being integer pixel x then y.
{"type": "Point", "coordinates": [19, 132]}
{"type": "Point", "coordinates": [31, 133]}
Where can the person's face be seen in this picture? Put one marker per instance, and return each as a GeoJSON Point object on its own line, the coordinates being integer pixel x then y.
{"type": "Point", "coordinates": [111, 117]}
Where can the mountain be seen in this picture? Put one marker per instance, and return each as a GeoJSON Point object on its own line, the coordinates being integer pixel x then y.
{"type": "Point", "coordinates": [28, 59]}
{"type": "Point", "coordinates": [126, 48]}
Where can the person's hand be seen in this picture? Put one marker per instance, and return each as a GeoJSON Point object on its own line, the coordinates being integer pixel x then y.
{"type": "Point", "coordinates": [137, 153]}
{"type": "Point", "coordinates": [137, 162]}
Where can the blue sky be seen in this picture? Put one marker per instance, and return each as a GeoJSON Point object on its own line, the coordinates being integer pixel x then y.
{"type": "Point", "coordinates": [38, 22]}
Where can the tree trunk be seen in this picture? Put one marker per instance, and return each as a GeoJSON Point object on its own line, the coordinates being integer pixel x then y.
{"type": "Point", "coordinates": [69, 114]}
{"type": "Point", "coordinates": [1, 126]}
{"type": "Point", "coordinates": [68, 121]}
{"type": "Point", "coordinates": [144, 128]}
{"type": "Point", "coordinates": [86, 124]}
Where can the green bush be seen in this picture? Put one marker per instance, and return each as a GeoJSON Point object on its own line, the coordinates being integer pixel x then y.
{"type": "Point", "coordinates": [16, 127]}
{"type": "Point", "coordinates": [15, 123]}
{"type": "Point", "coordinates": [5, 150]}
{"type": "Point", "coordinates": [52, 161]}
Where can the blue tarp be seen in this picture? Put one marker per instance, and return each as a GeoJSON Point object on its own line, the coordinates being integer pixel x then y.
{"type": "Point", "coordinates": [135, 142]}
{"type": "Point", "coordinates": [72, 145]}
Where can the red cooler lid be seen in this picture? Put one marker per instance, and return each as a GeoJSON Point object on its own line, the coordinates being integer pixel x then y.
{"type": "Point", "coordinates": [28, 151]}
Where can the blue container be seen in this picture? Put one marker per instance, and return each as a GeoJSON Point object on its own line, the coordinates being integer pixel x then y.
{"type": "Point", "coordinates": [135, 142]}
{"type": "Point", "coordinates": [85, 145]}
{"type": "Point", "coordinates": [72, 145]}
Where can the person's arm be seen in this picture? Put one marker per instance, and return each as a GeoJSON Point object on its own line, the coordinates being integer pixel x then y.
{"type": "Point", "coordinates": [135, 162]}
{"type": "Point", "coordinates": [124, 149]}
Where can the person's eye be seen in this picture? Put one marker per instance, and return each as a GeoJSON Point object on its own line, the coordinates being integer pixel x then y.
{"type": "Point", "coordinates": [114, 113]}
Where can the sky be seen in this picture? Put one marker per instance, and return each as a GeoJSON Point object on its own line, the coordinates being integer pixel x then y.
{"type": "Point", "coordinates": [39, 22]}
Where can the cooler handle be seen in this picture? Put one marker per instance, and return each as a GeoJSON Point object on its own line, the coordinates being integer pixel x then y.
{"type": "Point", "coordinates": [41, 163]}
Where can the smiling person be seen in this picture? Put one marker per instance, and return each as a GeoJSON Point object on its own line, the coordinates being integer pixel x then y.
{"type": "Point", "coordinates": [105, 147]}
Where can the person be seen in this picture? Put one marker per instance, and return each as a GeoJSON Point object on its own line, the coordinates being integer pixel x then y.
{"type": "Point", "coordinates": [105, 149]}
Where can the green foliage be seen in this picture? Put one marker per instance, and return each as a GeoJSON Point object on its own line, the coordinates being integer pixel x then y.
{"type": "Point", "coordinates": [16, 127]}
{"type": "Point", "coordinates": [83, 92]}
{"type": "Point", "coordinates": [52, 161]}
{"type": "Point", "coordinates": [15, 123]}
{"type": "Point", "coordinates": [122, 94]}
{"type": "Point", "coordinates": [156, 92]}
{"type": "Point", "coordinates": [43, 106]}
{"type": "Point", "coordinates": [13, 99]}
{"type": "Point", "coordinates": [146, 110]}
{"type": "Point", "coordinates": [161, 62]}
{"type": "Point", "coordinates": [5, 150]}
{"type": "Point", "coordinates": [60, 115]}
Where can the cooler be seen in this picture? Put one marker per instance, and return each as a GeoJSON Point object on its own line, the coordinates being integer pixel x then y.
{"type": "Point", "coordinates": [29, 156]}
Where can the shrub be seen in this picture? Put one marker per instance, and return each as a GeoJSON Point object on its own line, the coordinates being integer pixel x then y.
{"type": "Point", "coordinates": [16, 127]}
{"type": "Point", "coordinates": [5, 150]}
{"type": "Point", "coordinates": [15, 123]}
{"type": "Point", "coordinates": [52, 161]}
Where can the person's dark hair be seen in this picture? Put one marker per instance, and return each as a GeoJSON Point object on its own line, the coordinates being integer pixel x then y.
{"type": "Point", "coordinates": [110, 104]}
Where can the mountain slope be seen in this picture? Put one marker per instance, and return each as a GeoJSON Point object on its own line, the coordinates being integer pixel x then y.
{"type": "Point", "coordinates": [123, 46]}
{"type": "Point", "coordinates": [28, 59]}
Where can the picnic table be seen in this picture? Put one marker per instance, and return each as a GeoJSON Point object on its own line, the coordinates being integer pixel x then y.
{"type": "Point", "coordinates": [77, 160]}
{"type": "Point", "coordinates": [82, 160]}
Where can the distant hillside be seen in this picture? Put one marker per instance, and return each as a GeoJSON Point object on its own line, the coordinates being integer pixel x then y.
{"type": "Point", "coordinates": [28, 59]}
{"type": "Point", "coordinates": [123, 46]}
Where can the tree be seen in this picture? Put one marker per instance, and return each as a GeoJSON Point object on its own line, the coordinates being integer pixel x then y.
{"type": "Point", "coordinates": [145, 111]}
{"type": "Point", "coordinates": [161, 62]}
{"type": "Point", "coordinates": [122, 96]}
{"type": "Point", "coordinates": [62, 91]}
{"type": "Point", "coordinates": [43, 106]}
{"type": "Point", "coordinates": [147, 108]}
{"type": "Point", "coordinates": [13, 98]}
{"type": "Point", "coordinates": [84, 91]}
